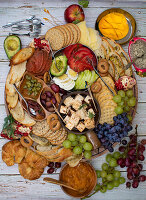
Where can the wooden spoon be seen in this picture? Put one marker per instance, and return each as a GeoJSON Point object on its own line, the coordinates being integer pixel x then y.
{"type": "Point", "coordinates": [54, 181]}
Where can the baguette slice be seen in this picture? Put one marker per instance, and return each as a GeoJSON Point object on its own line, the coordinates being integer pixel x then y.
{"type": "Point", "coordinates": [12, 100]}
{"type": "Point", "coordinates": [108, 47]}
{"type": "Point", "coordinates": [101, 52]}
{"type": "Point", "coordinates": [111, 69]}
{"type": "Point", "coordinates": [17, 72]}
{"type": "Point", "coordinates": [27, 120]}
{"type": "Point", "coordinates": [9, 88]}
{"type": "Point", "coordinates": [22, 55]}
{"type": "Point", "coordinates": [18, 112]}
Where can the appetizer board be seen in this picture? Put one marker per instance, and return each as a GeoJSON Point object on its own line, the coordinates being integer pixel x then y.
{"type": "Point", "coordinates": [73, 98]}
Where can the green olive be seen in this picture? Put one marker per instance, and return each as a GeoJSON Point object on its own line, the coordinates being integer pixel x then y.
{"type": "Point", "coordinates": [37, 88]}
{"type": "Point", "coordinates": [29, 89]}
{"type": "Point", "coordinates": [25, 87]}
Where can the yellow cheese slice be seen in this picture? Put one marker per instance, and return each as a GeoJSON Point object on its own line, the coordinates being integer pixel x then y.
{"type": "Point", "coordinates": [85, 37]}
{"type": "Point", "coordinates": [93, 35]}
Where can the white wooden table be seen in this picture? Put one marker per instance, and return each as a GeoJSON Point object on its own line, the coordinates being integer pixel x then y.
{"type": "Point", "coordinates": [12, 185]}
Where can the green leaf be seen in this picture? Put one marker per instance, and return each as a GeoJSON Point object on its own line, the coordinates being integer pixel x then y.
{"type": "Point", "coordinates": [8, 125]}
{"type": "Point", "coordinates": [82, 106]}
{"type": "Point", "coordinates": [91, 115]}
{"type": "Point", "coordinates": [76, 21]}
{"type": "Point", "coordinates": [84, 3]}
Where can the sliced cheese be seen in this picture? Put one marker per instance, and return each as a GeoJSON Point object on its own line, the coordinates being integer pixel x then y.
{"type": "Point", "coordinates": [85, 37]}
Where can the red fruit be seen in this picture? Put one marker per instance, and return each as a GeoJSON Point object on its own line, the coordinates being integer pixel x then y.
{"type": "Point", "coordinates": [74, 12]}
{"type": "Point", "coordinates": [131, 151]}
{"type": "Point", "coordinates": [141, 157]}
{"type": "Point", "coordinates": [135, 171]}
{"type": "Point", "coordinates": [51, 164]}
{"type": "Point", "coordinates": [133, 164]}
{"type": "Point", "coordinates": [129, 170]}
{"type": "Point", "coordinates": [133, 144]}
{"type": "Point", "coordinates": [128, 185]}
{"type": "Point", "coordinates": [133, 157]}
{"type": "Point", "coordinates": [127, 162]}
{"type": "Point", "coordinates": [50, 170]}
{"type": "Point", "coordinates": [130, 176]}
{"type": "Point", "coordinates": [142, 178]}
{"type": "Point", "coordinates": [140, 167]}
{"type": "Point", "coordinates": [143, 141]}
{"type": "Point", "coordinates": [57, 164]}
{"type": "Point", "coordinates": [55, 88]}
{"type": "Point", "coordinates": [135, 184]}
{"type": "Point", "coordinates": [119, 85]}
{"type": "Point", "coordinates": [120, 161]}
{"type": "Point", "coordinates": [141, 148]}
{"type": "Point", "coordinates": [122, 148]}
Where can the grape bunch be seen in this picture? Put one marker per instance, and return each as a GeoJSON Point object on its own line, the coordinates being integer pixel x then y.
{"type": "Point", "coordinates": [53, 167]}
{"type": "Point", "coordinates": [79, 144]}
{"type": "Point", "coordinates": [108, 134]}
{"type": "Point", "coordinates": [132, 153]}
{"type": "Point", "coordinates": [124, 100]}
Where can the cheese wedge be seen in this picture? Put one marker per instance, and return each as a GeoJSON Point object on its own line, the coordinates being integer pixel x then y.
{"type": "Point", "coordinates": [85, 37]}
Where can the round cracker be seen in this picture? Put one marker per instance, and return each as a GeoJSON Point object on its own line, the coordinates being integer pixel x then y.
{"type": "Point", "coordinates": [70, 33]}
{"type": "Point", "coordinates": [78, 31]}
{"type": "Point", "coordinates": [55, 37]}
{"type": "Point", "coordinates": [64, 33]}
{"type": "Point", "coordinates": [74, 31]}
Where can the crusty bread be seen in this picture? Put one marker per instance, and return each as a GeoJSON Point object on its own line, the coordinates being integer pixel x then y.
{"type": "Point", "coordinates": [18, 112]}
{"type": "Point", "coordinates": [12, 100]}
{"type": "Point", "coordinates": [27, 121]}
{"type": "Point", "coordinates": [40, 140]}
{"type": "Point", "coordinates": [55, 37]}
{"type": "Point", "coordinates": [17, 72]}
{"type": "Point", "coordinates": [13, 152]}
{"type": "Point", "coordinates": [101, 52]}
{"type": "Point", "coordinates": [107, 46]}
{"type": "Point", "coordinates": [22, 55]}
{"type": "Point", "coordinates": [111, 69]}
{"type": "Point", "coordinates": [9, 88]}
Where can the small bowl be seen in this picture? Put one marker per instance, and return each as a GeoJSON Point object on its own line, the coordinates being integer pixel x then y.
{"type": "Point", "coordinates": [130, 19]}
{"type": "Point", "coordinates": [73, 193]}
{"type": "Point", "coordinates": [97, 115]}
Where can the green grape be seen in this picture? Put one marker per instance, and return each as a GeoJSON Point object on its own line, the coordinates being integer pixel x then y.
{"type": "Point", "coordinates": [87, 146]}
{"type": "Point", "coordinates": [118, 110]}
{"type": "Point", "coordinates": [116, 183]}
{"type": "Point", "coordinates": [122, 180]}
{"type": "Point", "coordinates": [72, 137]}
{"type": "Point", "coordinates": [110, 186]}
{"type": "Point", "coordinates": [117, 98]}
{"type": "Point", "coordinates": [132, 102]}
{"type": "Point", "coordinates": [121, 104]}
{"type": "Point", "coordinates": [104, 180]}
{"type": "Point", "coordinates": [113, 162]}
{"type": "Point", "coordinates": [126, 108]}
{"type": "Point", "coordinates": [98, 173]}
{"type": "Point", "coordinates": [108, 157]}
{"type": "Point", "coordinates": [126, 98]}
{"type": "Point", "coordinates": [105, 166]}
{"type": "Point", "coordinates": [87, 154]}
{"type": "Point", "coordinates": [129, 93]}
{"type": "Point", "coordinates": [74, 143]}
{"type": "Point", "coordinates": [78, 137]}
{"type": "Point", "coordinates": [103, 189]}
{"type": "Point", "coordinates": [121, 93]}
{"type": "Point", "coordinates": [77, 150]}
{"type": "Point", "coordinates": [116, 155]}
{"type": "Point", "coordinates": [129, 118]}
{"type": "Point", "coordinates": [103, 174]}
{"type": "Point", "coordinates": [83, 139]}
{"type": "Point", "coordinates": [117, 174]}
{"type": "Point", "coordinates": [97, 187]}
{"type": "Point", "coordinates": [110, 177]}
{"type": "Point", "coordinates": [67, 144]}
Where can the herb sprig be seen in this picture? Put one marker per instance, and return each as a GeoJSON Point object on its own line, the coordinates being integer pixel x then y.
{"type": "Point", "coordinates": [84, 3]}
{"type": "Point", "coordinates": [8, 126]}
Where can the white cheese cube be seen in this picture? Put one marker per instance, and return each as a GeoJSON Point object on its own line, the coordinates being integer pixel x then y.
{"type": "Point", "coordinates": [76, 105]}
{"type": "Point", "coordinates": [69, 125]}
{"type": "Point", "coordinates": [81, 126]}
{"type": "Point", "coordinates": [87, 99]}
{"type": "Point", "coordinates": [74, 119]}
{"type": "Point", "coordinates": [91, 111]}
{"type": "Point", "coordinates": [66, 119]}
{"type": "Point", "coordinates": [79, 98]}
{"type": "Point", "coordinates": [68, 101]}
{"type": "Point", "coordinates": [89, 123]}
{"type": "Point", "coordinates": [63, 109]}
{"type": "Point", "coordinates": [82, 113]}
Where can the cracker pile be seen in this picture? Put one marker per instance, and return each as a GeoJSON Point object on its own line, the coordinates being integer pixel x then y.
{"type": "Point", "coordinates": [61, 36]}
{"type": "Point", "coordinates": [105, 100]}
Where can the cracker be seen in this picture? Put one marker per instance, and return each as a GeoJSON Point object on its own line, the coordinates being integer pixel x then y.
{"type": "Point", "coordinates": [58, 142]}
{"type": "Point", "coordinates": [70, 33]}
{"type": "Point", "coordinates": [75, 33]}
{"type": "Point", "coordinates": [107, 102]}
{"type": "Point", "coordinates": [104, 93]}
{"type": "Point", "coordinates": [107, 114]}
{"type": "Point", "coordinates": [79, 32]}
{"type": "Point", "coordinates": [40, 128]}
{"type": "Point", "coordinates": [108, 96]}
{"type": "Point", "coordinates": [55, 37]}
{"type": "Point", "coordinates": [64, 33]}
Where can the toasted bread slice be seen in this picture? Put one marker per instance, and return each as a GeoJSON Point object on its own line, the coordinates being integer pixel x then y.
{"type": "Point", "coordinates": [17, 72]}
{"type": "Point", "coordinates": [27, 121]}
{"type": "Point", "coordinates": [107, 46]}
{"type": "Point", "coordinates": [22, 55]}
{"type": "Point", "coordinates": [111, 69]}
{"type": "Point", "coordinates": [101, 52]}
{"type": "Point", "coordinates": [18, 112]}
{"type": "Point", "coordinates": [12, 100]}
{"type": "Point", "coordinates": [9, 88]}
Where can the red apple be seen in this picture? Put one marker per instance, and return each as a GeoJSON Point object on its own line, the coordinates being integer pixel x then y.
{"type": "Point", "coordinates": [74, 12]}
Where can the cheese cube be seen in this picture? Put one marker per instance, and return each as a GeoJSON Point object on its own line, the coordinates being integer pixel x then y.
{"type": "Point", "coordinates": [81, 126]}
{"type": "Point", "coordinates": [66, 119]}
{"type": "Point", "coordinates": [82, 113]}
{"type": "Point", "coordinates": [87, 99]}
{"type": "Point", "coordinates": [69, 125]}
{"type": "Point", "coordinates": [76, 105]}
{"type": "Point", "coordinates": [79, 98]}
{"type": "Point", "coordinates": [74, 119]}
{"type": "Point", "coordinates": [91, 111]}
{"type": "Point", "coordinates": [63, 109]}
{"type": "Point", "coordinates": [89, 123]}
{"type": "Point", "coordinates": [68, 101]}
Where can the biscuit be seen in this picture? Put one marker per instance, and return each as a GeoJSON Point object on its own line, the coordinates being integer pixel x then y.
{"type": "Point", "coordinates": [40, 128]}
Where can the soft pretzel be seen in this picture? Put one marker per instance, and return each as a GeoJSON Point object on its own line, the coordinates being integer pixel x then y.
{"type": "Point", "coordinates": [13, 152]}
